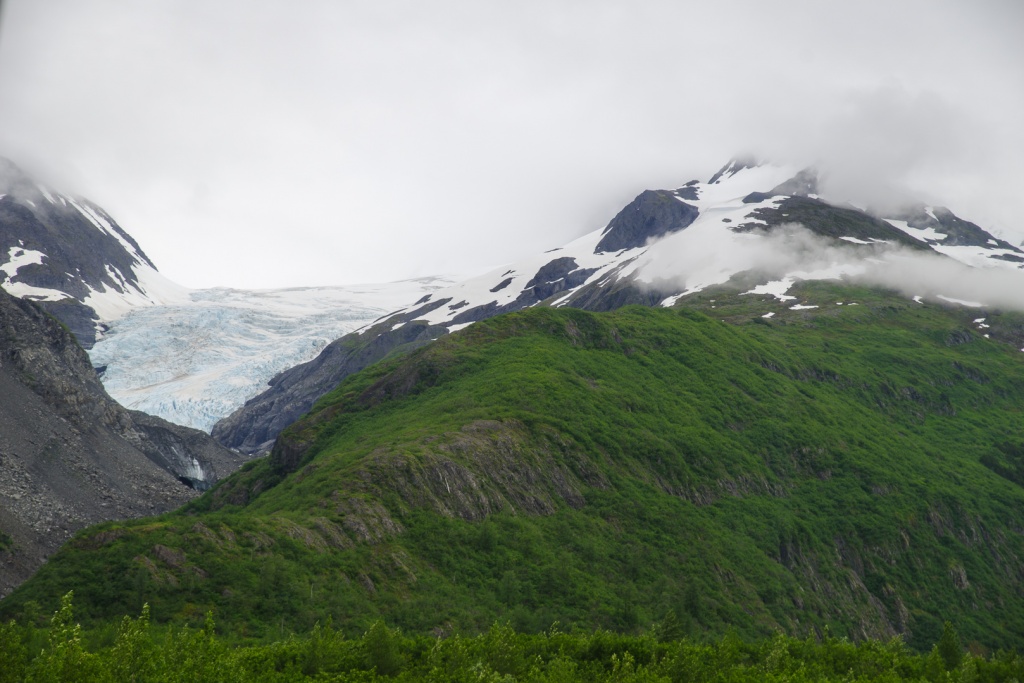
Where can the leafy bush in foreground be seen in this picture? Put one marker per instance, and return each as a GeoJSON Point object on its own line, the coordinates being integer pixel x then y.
{"type": "Point", "coordinates": [501, 654]}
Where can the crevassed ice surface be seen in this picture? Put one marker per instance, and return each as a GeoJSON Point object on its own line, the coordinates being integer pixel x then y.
{"type": "Point", "coordinates": [195, 362]}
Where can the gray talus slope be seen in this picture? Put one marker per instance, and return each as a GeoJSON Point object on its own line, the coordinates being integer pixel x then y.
{"type": "Point", "coordinates": [69, 455]}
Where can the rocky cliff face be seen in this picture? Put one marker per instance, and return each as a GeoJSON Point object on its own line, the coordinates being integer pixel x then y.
{"type": "Point", "coordinates": [69, 455]}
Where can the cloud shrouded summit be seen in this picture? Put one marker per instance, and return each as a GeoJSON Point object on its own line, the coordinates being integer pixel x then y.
{"type": "Point", "coordinates": [365, 141]}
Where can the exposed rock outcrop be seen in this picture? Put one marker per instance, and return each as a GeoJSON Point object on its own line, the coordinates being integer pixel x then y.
{"type": "Point", "coordinates": [653, 214]}
{"type": "Point", "coordinates": [69, 455]}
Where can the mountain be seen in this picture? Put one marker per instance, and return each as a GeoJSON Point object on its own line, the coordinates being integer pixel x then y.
{"type": "Point", "coordinates": [850, 462]}
{"type": "Point", "coordinates": [69, 455]}
{"type": "Point", "coordinates": [71, 257]}
{"type": "Point", "coordinates": [665, 246]}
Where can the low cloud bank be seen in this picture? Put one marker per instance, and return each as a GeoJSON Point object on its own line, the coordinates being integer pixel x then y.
{"type": "Point", "coordinates": [694, 261]}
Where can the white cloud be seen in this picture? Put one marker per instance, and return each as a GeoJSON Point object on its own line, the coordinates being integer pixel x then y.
{"type": "Point", "coordinates": [791, 252]}
{"type": "Point", "coordinates": [326, 142]}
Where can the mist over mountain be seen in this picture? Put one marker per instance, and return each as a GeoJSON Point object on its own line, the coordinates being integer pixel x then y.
{"type": "Point", "coordinates": [758, 226]}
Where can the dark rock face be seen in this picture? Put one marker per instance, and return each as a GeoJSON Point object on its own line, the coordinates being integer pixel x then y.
{"type": "Point", "coordinates": [77, 317]}
{"type": "Point", "coordinates": [802, 184]}
{"type": "Point", "coordinates": [830, 221]}
{"type": "Point", "coordinates": [688, 191]}
{"type": "Point", "coordinates": [732, 168]}
{"type": "Point", "coordinates": [554, 277]}
{"type": "Point", "coordinates": [78, 254]}
{"type": "Point", "coordinates": [959, 233]}
{"type": "Point", "coordinates": [192, 456]}
{"type": "Point", "coordinates": [624, 292]}
{"type": "Point", "coordinates": [557, 276]}
{"type": "Point", "coordinates": [69, 455]}
{"type": "Point", "coordinates": [654, 213]}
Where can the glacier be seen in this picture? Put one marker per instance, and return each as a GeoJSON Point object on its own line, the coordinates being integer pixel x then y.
{"type": "Point", "coordinates": [195, 361]}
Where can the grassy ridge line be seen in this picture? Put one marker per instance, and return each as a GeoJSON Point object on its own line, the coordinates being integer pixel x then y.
{"type": "Point", "coordinates": [604, 470]}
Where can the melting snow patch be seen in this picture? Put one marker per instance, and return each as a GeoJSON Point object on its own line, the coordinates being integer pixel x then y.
{"type": "Point", "coordinates": [979, 320]}
{"type": "Point", "coordinates": [926, 235]}
{"type": "Point", "coordinates": [980, 256]}
{"type": "Point", "coordinates": [670, 301]}
{"type": "Point", "coordinates": [47, 195]}
{"type": "Point", "coordinates": [917, 299]}
{"type": "Point", "coordinates": [768, 315]}
{"type": "Point", "coordinates": [800, 307]}
{"type": "Point", "coordinates": [970, 304]}
{"type": "Point", "coordinates": [18, 257]}
{"type": "Point", "coordinates": [776, 288]}
{"type": "Point", "coordinates": [457, 327]}
{"type": "Point", "coordinates": [993, 243]}
{"type": "Point", "coordinates": [855, 240]}
{"type": "Point", "coordinates": [562, 300]}
{"type": "Point", "coordinates": [20, 289]}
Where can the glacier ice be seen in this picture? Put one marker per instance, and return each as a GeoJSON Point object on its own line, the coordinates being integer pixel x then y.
{"type": "Point", "coordinates": [196, 361]}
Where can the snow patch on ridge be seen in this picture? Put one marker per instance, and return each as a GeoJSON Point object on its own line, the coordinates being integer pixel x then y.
{"type": "Point", "coordinates": [153, 289]}
{"type": "Point", "coordinates": [18, 257]}
{"type": "Point", "coordinates": [924, 235]}
{"type": "Point", "coordinates": [969, 304]}
{"type": "Point", "coordinates": [776, 288]}
{"type": "Point", "coordinates": [979, 257]}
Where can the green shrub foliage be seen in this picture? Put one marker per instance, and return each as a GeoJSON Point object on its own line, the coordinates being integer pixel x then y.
{"type": "Point", "coordinates": [142, 654]}
{"type": "Point", "coordinates": [672, 472]}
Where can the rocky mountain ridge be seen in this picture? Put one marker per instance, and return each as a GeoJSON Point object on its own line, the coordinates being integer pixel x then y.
{"type": "Point", "coordinates": [70, 456]}
{"type": "Point", "coordinates": [635, 259]}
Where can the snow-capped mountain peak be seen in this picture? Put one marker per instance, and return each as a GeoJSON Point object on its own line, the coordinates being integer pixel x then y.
{"type": "Point", "coordinates": [669, 243]}
{"type": "Point", "coordinates": [761, 227]}
{"type": "Point", "coordinates": [69, 255]}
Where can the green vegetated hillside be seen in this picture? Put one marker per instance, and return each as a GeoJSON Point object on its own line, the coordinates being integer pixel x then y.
{"type": "Point", "coordinates": [856, 466]}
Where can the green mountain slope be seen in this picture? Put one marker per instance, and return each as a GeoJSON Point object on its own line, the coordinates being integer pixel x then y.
{"type": "Point", "coordinates": [852, 466]}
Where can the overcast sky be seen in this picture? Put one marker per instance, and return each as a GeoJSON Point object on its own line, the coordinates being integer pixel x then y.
{"type": "Point", "coordinates": [253, 143]}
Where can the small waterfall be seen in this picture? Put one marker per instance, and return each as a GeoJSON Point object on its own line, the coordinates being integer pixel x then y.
{"type": "Point", "coordinates": [194, 476]}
